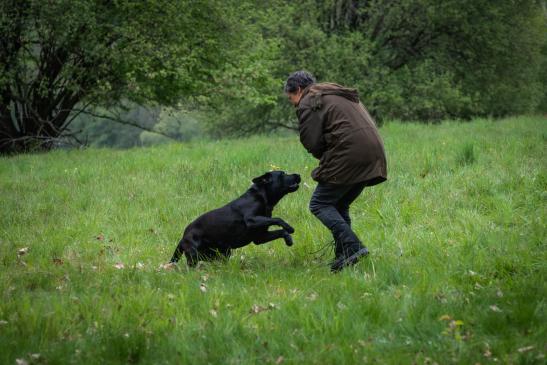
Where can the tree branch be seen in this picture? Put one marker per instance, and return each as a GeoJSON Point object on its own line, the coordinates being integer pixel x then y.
{"type": "Point", "coordinates": [125, 122]}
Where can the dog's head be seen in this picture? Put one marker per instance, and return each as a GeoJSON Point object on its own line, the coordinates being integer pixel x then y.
{"type": "Point", "coordinates": [277, 184]}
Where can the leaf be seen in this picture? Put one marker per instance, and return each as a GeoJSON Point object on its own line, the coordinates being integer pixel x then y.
{"type": "Point", "coordinates": [21, 362]}
{"type": "Point", "coordinates": [119, 266]}
{"type": "Point", "coordinates": [499, 293]}
{"type": "Point", "coordinates": [445, 317]}
{"type": "Point", "coordinates": [525, 349]}
{"type": "Point", "coordinates": [35, 357]}
{"type": "Point", "coordinates": [495, 308]}
{"type": "Point", "coordinates": [100, 237]}
{"type": "Point", "coordinates": [213, 313]}
{"type": "Point", "coordinates": [258, 308]}
{"type": "Point", "coordinates": [57, 261]}
{"type": "Point", "coordinates": [139, 265]}
{"type": "Point", "coordinates": [202, 287]}
{"type": "Point", "coordinates": [22, 251]}
{"type": "Point", "coordinates": [168, 266]}
{"type": "Point", "coordinates": [279, 360]}
{"type": "Point", "coordinates": [2, 322]}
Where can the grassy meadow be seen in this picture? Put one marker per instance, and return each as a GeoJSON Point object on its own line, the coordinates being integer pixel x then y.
{"type": "Point", "coordinates": [456, 275]}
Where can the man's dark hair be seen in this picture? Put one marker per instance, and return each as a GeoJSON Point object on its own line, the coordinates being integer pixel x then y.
{"type": "Point", "coordinates": [298, 79]}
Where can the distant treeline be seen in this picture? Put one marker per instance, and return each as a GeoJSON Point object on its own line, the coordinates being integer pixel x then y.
{"type": "Point", "coordinates": [420, 60]}
{"type": "Point", "coordinates": [65, 65]}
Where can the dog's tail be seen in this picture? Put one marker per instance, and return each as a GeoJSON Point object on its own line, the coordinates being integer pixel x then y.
{"type": "Point", "coordinates": [178, 252]}
{"type": "Point", "coordinates": [188, 249]}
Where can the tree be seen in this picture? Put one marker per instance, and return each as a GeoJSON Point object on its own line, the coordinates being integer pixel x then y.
{"type": "Point", "coordinates": [410, 59]}
{"type": "Point", "coordinates": [62, 57]}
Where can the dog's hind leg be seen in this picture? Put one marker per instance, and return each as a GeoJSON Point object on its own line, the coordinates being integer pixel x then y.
{"type": "Point", "coordinates": [192, 256]}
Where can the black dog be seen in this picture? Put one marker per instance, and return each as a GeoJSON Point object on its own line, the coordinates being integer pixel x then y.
{"type": "Point", "coordinates": [240, 222]}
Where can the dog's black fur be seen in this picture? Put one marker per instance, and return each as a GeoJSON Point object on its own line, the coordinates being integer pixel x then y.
{"type": "Point", "coordinates": [240, 222]}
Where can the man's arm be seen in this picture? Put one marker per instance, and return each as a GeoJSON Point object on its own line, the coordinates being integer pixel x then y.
{"type": "Point", "coordinates": [311, 130]}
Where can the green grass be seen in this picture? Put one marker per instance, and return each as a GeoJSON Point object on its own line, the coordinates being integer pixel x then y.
{"type": "Point", "coordinates": [456, 274]}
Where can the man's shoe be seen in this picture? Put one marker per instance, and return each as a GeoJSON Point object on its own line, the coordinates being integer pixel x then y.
{"type": "Point", "coordinates": [350, 258]}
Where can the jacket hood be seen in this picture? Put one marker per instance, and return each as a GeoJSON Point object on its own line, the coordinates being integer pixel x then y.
{"type": "Point", "coordinates": [315, 91]}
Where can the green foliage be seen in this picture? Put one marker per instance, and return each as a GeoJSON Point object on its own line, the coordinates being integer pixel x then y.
{"type": "Point", "coordinates": [456, 273]}
{"type": "Point", "coordinates": [424, 60]}
{"type": "Point", "coordinates": [59, 57]}
{"type": "Point", "coordinates": [411, 60]}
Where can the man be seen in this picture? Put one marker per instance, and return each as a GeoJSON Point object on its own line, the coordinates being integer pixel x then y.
{"type": "Point", "coordinates": [337, 130]}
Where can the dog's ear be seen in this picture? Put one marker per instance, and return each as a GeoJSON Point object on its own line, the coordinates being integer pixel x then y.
{"type": "Point", "coordinates": [263, 180]}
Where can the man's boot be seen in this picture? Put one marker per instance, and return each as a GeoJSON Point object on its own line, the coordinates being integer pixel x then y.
{"type": "Point", "coordinates": [349, 255]}
{"type": "Point", "coordinates": [338, 252]}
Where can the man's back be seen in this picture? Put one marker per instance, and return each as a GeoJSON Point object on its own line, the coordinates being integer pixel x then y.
{"type": "Point", "coordinates": [351, 148]}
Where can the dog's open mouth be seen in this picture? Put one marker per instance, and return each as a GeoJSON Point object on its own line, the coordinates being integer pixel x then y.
{"type": "Point", "coordinates": [294, 186]}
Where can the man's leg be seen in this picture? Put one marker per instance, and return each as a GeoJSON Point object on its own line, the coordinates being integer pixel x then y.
{"type": "Point", "coordinates": [343, 204]}
{"type": "Point", "coordinates": [323, 205]}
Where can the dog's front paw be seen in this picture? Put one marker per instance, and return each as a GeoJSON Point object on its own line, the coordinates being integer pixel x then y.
{"type": "Point", "coordinates": [289, 229]}
{"type": "Point", "coordinates": [288, 240]}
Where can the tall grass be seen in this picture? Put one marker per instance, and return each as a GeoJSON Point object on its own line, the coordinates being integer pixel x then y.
{"type": "Point", "coordinates": [456, 273]}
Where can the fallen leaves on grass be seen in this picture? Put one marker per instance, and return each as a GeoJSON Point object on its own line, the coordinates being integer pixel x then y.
{"type": "Point", "coordinates": [495, 308]}
{"type": "Point", "coordinates": [255, 309]}
{"type": "Point", "coordinates": [119, 266]}
{"type": "Point", "coordinates": [202, 287]}
{"type": "Point", "coordinates": [168, 266]}
{"type": "Point", "coordinates": [22, 251]}
{"type": "Point", "coordinates": [525, 349]}
{"type": "Point", "coordinates": [279, 360]}
{"type": "Point", "coordinates": [57, 261]}
{"type": "Point", "coordinates": [36, 357]}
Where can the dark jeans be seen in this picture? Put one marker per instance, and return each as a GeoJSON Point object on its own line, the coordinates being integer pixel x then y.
{"type": "Point", "coordinates": [330, 204]}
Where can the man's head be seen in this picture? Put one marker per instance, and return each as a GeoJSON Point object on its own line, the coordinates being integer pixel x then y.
{"type": "Point", "coordinates": [297, 82]}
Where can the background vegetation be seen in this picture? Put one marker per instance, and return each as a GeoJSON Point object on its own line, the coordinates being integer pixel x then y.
{"type": "Point", "coordinates": [456, 274]}
{"type": "Point", "coordinates": [219, 66]}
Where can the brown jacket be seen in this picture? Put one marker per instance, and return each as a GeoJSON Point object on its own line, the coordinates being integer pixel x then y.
{"type": "Point", "coordinates": [337, 129]}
